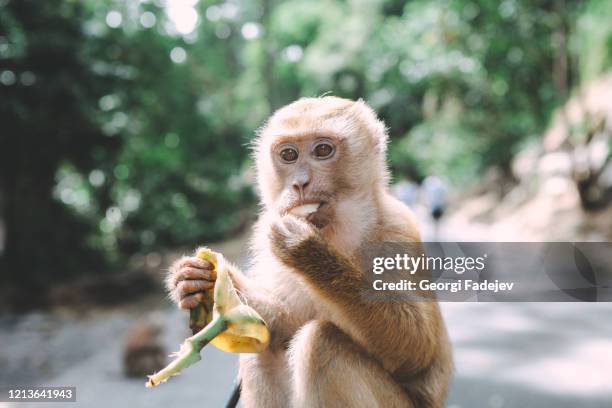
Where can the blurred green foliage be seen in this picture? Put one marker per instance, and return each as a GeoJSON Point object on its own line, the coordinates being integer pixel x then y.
{"type": "Point", "coordinates": [125, 124]}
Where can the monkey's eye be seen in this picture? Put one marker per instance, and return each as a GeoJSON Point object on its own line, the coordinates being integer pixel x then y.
{"type": "Point", "coordinates": [323, 150]}
{"type": "Point", "coordinates": [288, 154]}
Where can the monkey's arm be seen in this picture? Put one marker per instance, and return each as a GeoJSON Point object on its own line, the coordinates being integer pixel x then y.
{"type": "Point", "coordinates": [393, 331]}
{"type": "Point", "coordinates": [273, 310]}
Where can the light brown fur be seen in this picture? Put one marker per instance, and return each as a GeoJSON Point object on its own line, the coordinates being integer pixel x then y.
{"type": "Point", "coordinates": [143, 351]}
{"type": "Point", "coordinates": [331, 346]}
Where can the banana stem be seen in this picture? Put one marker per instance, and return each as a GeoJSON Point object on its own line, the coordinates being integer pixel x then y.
{"type": "Point", "coordinates": [189, 353]}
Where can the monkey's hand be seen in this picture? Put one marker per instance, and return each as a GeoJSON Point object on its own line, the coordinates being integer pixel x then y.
{"type": "Point", "coordinates": [300, 245]}
{"type": "Point", "coordinates": [189, 281]}
{"type": "Point", "coordinates": [293, 240]}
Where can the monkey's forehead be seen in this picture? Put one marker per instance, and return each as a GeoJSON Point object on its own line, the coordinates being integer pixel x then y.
{"type": "Point", "coordinates": [333, 123]}
{"type": "Point", "coordinates": [305, 129]}
{"type": "Point", "coordinates": [312, 112]}
{"type": "Point", "coordinates": [325, 117]}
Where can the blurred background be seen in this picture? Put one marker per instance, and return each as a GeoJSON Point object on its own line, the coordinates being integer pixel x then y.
{"type": "Point", "coordinates": [124, 133]}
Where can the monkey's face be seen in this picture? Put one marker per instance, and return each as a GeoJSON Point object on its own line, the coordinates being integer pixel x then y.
{"type": "Point", "coordinates": [310, 175]}
{"type": "Point", "coordinates": [326, 153]}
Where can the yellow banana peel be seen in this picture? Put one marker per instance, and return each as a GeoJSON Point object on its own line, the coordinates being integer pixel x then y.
{"type": "Point", "coordinates": [229, 324]}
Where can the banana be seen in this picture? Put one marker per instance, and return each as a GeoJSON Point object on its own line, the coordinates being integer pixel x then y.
{"type": "Point", "coordinates": [229, 324]}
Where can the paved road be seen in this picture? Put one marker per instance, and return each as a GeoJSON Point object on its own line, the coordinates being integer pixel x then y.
{"type": "Point", "coordinates": [531, 354]}
{"type": "Point", "coordinates": [507, 355]}
{"type": "Point", "coordinates": [94, 367]}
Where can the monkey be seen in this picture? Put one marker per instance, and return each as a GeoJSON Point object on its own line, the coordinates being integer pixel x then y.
{"type": "Point", "coordinates": [143, 350]}
{"type": "Point", "coordinates": [330, 346]}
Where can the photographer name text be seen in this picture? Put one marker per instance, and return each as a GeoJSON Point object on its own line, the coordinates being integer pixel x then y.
{"type": "Point", "coordinates": [453, 287]}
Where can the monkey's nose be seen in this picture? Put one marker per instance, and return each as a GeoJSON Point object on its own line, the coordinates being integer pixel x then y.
{"type": "Point", "coordinates": [300, 186]}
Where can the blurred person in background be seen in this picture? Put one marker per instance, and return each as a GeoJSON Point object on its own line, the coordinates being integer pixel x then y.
{"type": "Point", "coordinates": [407, 191]}
{"type": "Point", "coordinates": [435, 193]}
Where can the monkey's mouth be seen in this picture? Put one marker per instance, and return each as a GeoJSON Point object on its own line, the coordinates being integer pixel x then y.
{"type": "Point", "coordinates": [318, 213]}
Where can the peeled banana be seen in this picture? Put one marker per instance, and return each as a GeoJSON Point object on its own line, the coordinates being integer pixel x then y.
{"type": "Point", "coordinates": [230, 325]}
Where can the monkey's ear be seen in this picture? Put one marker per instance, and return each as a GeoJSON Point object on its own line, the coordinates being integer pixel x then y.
{"type": "Point", "coordinates": [375, 127]}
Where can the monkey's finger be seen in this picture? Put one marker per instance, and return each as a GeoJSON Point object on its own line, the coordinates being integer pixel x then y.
{"type": "Point", "coordinates": [187, 273]}
{"type": "Point", "coordinates": [282, 226]}
{"type": "Point", "coordinates": [277, 236]}
{"type": "Point", "coordinates": [192, 301]}
{"type": "Point", "coordinates": [196, 263]}
{"type": "Point", "coordinates": [188, 287]}
{"type": "Point", "coordinates": [295, 225]}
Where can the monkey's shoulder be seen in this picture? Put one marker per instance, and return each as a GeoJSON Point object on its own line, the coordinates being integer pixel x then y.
{"type": "Point", "coordinates": [397, 222]}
